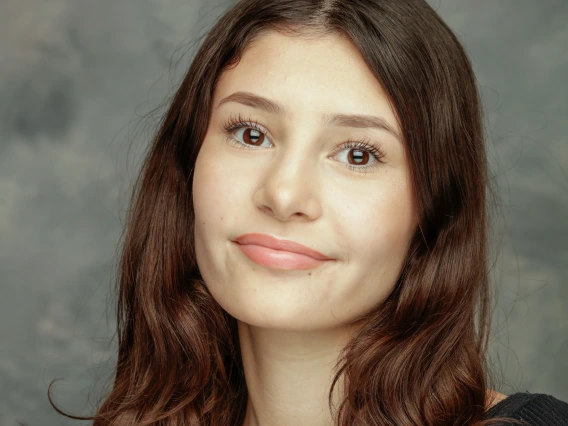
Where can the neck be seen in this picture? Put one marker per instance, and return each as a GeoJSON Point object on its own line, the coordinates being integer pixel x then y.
{"type": "Point", "coordinates": [289, 375]}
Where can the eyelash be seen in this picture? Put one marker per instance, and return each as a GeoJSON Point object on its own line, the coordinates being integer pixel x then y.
{"type": "Point", "coordinates": [233, 124]}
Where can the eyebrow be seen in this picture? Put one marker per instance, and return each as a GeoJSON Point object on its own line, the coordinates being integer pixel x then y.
{"type": "Point", "coordinates": [358, 121]}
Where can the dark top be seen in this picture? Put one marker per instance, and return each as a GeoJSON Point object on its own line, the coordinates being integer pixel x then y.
{"type": "Point", "coordinates": [537, 409]}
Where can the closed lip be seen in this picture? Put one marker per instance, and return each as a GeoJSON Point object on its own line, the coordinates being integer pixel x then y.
{"type": "Point", "coordinates": [279, 244]}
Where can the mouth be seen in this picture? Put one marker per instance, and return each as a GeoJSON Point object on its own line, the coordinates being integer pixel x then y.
{"type": "Point", "coordinates": [274, 243]}
{"type": "Point", "coordinates": [279, 254]}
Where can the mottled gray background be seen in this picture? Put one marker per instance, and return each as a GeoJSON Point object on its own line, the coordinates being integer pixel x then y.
{"type": "Point", "coordinates": [76, 77]}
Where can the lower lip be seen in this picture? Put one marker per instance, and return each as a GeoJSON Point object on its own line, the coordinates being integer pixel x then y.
{"type": "Point", "coordinates": [278, 259]}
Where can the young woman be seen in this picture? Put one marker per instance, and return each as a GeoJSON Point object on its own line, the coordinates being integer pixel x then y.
{"type": "Point", "coordinates": [308, 239]}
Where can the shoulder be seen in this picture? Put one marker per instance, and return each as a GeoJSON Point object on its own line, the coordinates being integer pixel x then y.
{"type": "Point", "coordinates": [494, 397]}
{"type": "Point", "coordinates": [534, 408]}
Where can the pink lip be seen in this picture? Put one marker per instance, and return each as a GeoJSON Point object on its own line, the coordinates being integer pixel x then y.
{"type": "Point", "coordinates": [281, 254]}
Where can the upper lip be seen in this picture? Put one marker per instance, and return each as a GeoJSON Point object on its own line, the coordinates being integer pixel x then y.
{"type": "Point", "coordinates": [279, 244]}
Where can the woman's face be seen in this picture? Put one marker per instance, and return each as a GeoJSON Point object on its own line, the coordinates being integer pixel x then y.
{"type": "Point", "coordinates": [295, 178]}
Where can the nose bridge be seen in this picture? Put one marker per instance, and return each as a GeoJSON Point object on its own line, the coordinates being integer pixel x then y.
{"type": "Point", "coordinates": [296, 158]}
{"type": "Point", "coordinates": [290, 184]}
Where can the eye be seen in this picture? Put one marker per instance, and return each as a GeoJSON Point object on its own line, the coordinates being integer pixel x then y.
{"type": "Point", "coordinates": [359, 152]}
{"type": "Point", "coordinates": [254, 134]}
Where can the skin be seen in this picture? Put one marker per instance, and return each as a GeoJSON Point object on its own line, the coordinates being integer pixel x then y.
{"type": "Point", "coordinates": [297, 185]}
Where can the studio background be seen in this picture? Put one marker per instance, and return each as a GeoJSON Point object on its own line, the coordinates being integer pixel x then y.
{"type": "Point", "coordinates": [77, 80]}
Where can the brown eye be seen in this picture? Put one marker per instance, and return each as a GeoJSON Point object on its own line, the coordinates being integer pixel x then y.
{"type": "Point", "coordinates": [359, 158]}
{"type": "Point", "coordinates": [253, 136]}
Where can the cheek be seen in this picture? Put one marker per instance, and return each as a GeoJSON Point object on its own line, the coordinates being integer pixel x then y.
{"type": "Point", "coordinates": [377, 226]}
{"type": "Point", "coordinates": [211, 188]}
{"type": "Point", "coordinates": [211, 203]}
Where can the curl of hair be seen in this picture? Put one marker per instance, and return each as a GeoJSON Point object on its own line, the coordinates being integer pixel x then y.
{"type": "Point", "coordinates": [420, 358]}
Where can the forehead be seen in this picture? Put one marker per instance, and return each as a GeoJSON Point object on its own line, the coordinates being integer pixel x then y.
{"type": "Point", "coordinates": [307, 76]}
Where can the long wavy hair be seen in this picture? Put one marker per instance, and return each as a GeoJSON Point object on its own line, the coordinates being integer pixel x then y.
{"type": "Point", "coordinates": [421, 356]}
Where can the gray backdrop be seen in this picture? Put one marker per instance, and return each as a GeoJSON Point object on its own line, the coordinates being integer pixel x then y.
{"type": "Point", "coordinates": [76, 77]}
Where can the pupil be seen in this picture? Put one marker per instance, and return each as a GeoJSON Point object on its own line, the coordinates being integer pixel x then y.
{"type": "Point", "coordinates": [358, 156]}
{"type": "Point", "coordinates": [255, 135]}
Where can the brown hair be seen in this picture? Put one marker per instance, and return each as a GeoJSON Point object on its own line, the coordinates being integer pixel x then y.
{"type": "Point", "coordinates": [420, 358]}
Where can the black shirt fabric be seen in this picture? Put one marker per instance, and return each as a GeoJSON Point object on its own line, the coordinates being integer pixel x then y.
{"type": "Point", "coordinates": [536, 409]}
